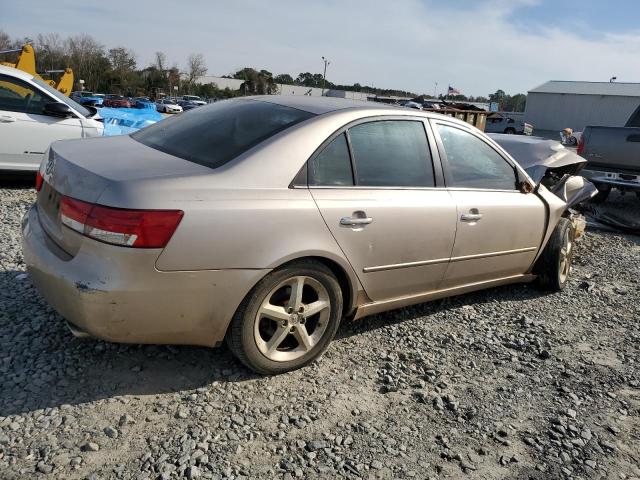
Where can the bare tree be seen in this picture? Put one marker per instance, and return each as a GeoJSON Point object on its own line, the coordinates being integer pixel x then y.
{"type": "Point", "coordinates": [87, 58]}
{"type": "Point", "coordinates": [5, 41]}
{"type": "Point", "coordinates": [196, 67]}
{"type": "Point", "coordinates": [50, 52]}
{"type": "Point", "coordinates": [160, 61]}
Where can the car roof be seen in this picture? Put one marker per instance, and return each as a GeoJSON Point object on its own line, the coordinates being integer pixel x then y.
{"type": "Point", "coordinates": [321, 105]}
{"type": "Point", "coordinates": [14, 72]}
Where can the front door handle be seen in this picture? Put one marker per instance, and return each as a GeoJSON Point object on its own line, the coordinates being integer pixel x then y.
{"type": "Point", "coordinates": [356, 221]}
{"type": "Point", "coordinates": [473, 216]}
{"type": "Point", "coordinates": [7, 119]}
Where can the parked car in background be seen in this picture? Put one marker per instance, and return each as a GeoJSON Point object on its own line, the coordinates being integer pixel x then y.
{"type": "Point", "coordinates": [32, 115]}
{"type": "Point", "coordinates": [613, 156]}
{"type": "Point", "coordinates": [431, 105]}
{"type": "Point", "coordinates": [143, 102]}
{"type": "Point", "coordinates": [116, 101]}
{"type": "Point", "coordinates": [167, 105]}
{"type": "Point", "coordinates": [87, 98]}
{"type": "Point", "coordinates": [188, 104]}
{"type": "Point", "coordinates": [414, 105]}
{"type": "Point", "coordinates": [501, 123]}
{"type": "Point", "coordinates": [194, 99]}
{"type": "Point", "coordinates": [263, 221]}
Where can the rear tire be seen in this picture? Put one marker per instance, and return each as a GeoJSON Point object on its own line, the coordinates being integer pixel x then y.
{"type": "Point", "coordinates": [288, 319]}
{"type": "Point", "coordinates": [603, 193]}
{"type": "Point", "coordinates": [554, 265]}
{"type": "Point", "coordinates": [510, 131]}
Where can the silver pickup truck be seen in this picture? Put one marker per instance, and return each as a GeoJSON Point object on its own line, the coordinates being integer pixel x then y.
{"type": "Point", "coordinates": [613, 157]}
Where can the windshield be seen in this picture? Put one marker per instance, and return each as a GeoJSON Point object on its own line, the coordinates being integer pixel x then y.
{"type": "Point", "coordinates": [215, 134]}
{"type": "Point", "coordinates": [61, 97]}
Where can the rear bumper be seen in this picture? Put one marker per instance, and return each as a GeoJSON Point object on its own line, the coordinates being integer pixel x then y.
{"type": "Point", "coordinates": [117, 294]}
{"type": "Point", "coordinates": [624, 181]}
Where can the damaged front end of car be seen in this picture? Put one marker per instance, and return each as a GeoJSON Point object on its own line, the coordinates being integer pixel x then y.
{"type": "Point", "coordinates": [556, 173]}
{"type": "Point", "coordinates": [551, 165]}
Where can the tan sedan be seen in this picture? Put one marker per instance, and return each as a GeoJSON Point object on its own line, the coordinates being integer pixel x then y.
{"type": "Point", "coordinates": [266, 220]}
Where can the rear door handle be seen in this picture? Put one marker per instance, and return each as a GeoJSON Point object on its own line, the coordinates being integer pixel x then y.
{"type": "Point", "coordinates": [470, 217]}
{"type": "Point", "coordinates": [7, 119]}
{"type": "Point", "coordinates": [355, 221]}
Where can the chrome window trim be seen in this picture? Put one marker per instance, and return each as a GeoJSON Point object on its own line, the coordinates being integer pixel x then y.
{"type": "Point", "coordinates": [362, 187]}
{"type": "Point", "coordinates": [445, 161]}
{"type": "Point", "coordinates": [471, 189]}
{"type": "Point", "coordinates": [436, 163]}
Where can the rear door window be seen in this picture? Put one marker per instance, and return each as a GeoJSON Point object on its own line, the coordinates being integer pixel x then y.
{"type": "Point", "coordinates": [472, 163]}
{"type": "Point", "coordinates": [332, 166]}
{"type": "Point", "coordinates": [634, 120]}
{"type": "Point", "coordinates": [391, 153]}
{"type": "Point", "coordinates": [217, 133]}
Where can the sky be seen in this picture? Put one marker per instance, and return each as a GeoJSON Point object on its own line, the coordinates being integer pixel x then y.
{"type": "Point", "coordinates": [477, 46]}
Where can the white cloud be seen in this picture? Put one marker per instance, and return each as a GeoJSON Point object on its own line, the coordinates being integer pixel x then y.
{"type": "Point", "coordinates": [406, 44]}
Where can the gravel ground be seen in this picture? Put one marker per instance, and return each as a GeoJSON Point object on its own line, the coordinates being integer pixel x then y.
{"type": "Point", "coordinates": [505, 383]}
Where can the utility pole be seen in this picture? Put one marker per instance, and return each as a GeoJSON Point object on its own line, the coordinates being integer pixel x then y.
{"type": "Point", "coordinates": [324, 75]}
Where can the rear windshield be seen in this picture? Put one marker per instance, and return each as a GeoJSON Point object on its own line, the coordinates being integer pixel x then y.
{"type": "Point", "coordinates": [214, 134]}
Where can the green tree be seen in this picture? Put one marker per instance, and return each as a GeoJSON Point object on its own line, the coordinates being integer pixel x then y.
{"type": "Point", "coordinates": [498, 97]}
{"type": "Point", "coordinates": [308, 79]}
{"type": "Point", "coordinates": [284, 78]}
{"type": "Point", "coordinates": [123, 77]}
{"type": "Point", "coordinates": [256, 83]}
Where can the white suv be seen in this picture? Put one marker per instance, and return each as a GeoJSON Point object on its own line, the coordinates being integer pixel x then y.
{"type": "Point", "coordinates": [33, 115]}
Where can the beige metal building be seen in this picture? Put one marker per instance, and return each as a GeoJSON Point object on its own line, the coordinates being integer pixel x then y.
{"type": "Point", "coordinates": [560, 104]}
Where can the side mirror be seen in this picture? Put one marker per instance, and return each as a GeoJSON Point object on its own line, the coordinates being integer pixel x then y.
{"type": "Point", "coordinates": [92, 110]}
{"type": "Point", "coordinates": [57, 109]}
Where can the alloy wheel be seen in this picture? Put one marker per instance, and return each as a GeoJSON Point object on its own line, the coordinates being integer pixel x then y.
{"type": "Point", "coordinates": [566, 253]}
{"type": "Point", "coordinates": [292, 318]}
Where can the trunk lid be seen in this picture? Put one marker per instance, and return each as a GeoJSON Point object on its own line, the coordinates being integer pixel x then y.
{"type": "Point", "coordinates": [84, 169]}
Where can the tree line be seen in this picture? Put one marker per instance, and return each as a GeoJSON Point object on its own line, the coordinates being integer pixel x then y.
{"type": "Point", "coordinates": [116, 70]}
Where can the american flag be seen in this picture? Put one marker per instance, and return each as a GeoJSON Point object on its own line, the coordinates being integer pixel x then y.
{"type": "Point", "coordinates": [453, 91]}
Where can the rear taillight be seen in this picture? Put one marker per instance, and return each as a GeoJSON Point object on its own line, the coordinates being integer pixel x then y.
{"type": "Point", "coordinates": [39, 181]}
{"type": "Point", "coordinates": [118, 226]}
{"type": "Point", "coordinates": [581, 145]}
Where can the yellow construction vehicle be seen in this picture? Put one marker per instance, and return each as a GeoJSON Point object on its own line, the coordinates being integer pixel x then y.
{"type": "Point", "coordinates": [27, 63]}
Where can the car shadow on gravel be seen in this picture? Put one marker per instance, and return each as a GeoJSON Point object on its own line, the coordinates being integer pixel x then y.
{"type": "Point", "coordinates": [44, 366]}
{"type": "Point", "coordinates": [516, 292]}
{"type": "Point", "coordinates": [17, 181]}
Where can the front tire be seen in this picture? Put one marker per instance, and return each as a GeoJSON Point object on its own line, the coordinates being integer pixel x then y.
{"type": "Point", "coordinates": [554, 265]}
{"type": "Point", "coordinates": [288, 319]}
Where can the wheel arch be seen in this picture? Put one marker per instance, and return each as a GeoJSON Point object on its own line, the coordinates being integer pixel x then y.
{"type": "Point", "coordinates": [342, 270]}
{"type": "Point", "coordinates": [352, 291]}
